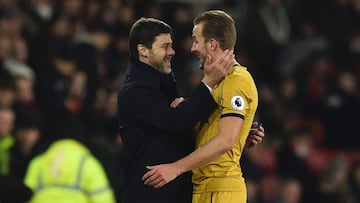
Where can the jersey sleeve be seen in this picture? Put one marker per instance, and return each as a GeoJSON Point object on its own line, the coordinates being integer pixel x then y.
{"type": "Point", "coordinates": [236, 96]}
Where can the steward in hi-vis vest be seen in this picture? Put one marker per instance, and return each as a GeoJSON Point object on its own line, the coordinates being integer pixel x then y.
{"type": "Point", "coordinates": [67, 172]}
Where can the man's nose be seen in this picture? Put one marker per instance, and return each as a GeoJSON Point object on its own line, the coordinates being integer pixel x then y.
{"type": "Point", "coordinates": [171, 51]}
{"type": "Point", "coordinates": [193, 48]}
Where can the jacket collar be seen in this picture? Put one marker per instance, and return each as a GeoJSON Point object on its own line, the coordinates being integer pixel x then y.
{"type": "Point", "coordinates": [142, 70]}
{"type": "Point", "coordinates": [147, 74]}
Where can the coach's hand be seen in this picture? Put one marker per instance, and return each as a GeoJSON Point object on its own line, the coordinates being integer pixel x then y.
{"type": "Point", "coordinates": [177, 102]}
{"type": "Point", "coordinates": [215, 71]}
{"type": "Point", "coordinates": [256, 135]}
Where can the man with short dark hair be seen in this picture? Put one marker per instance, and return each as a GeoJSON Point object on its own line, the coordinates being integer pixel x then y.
{"type": "Point", "coordinates": [151, 130]}
{"type": "Point", "coordinates": [155, 125]}
{"type": "Point", "coordinates": [217, 175]}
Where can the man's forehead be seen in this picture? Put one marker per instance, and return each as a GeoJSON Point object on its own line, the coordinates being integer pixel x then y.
{"type": "Point", "coordinates": [197, 30]}
{"type": "Point", "coordinates": [164, 38]}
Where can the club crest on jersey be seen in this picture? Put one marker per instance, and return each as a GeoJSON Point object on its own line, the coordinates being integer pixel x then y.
{"type": "Point", "coordinates": [237, 102]}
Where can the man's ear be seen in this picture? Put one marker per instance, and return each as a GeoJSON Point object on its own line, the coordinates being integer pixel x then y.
{"type": "Point", "coordinates": [143, 51]}
{"type": "Point", "coordinates": [213, 44]}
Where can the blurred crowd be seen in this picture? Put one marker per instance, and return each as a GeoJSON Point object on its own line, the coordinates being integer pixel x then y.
{"type": "Point", "coordinates": [64, 60]}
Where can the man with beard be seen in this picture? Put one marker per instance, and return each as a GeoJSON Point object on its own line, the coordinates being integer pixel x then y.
{"type": "Point", "coordinates": [153, 127]}
{"type": "Point", "coordinates": [215, 163]}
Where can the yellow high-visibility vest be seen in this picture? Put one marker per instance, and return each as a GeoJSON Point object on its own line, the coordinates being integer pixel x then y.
{"type": "Point", "coordinates": [5, 144]}
{"type": "Point", "coordinates": [68, 173]}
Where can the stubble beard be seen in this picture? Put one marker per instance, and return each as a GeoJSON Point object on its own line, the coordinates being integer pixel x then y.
{"type": "Point", "coordinates": [163, 67]}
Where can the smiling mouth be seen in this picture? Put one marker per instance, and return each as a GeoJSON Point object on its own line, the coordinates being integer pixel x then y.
{"type": "Point", "coordinates": [167, 60]}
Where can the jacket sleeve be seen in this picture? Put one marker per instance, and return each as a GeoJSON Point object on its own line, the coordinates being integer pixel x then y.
{"type": "Point", "coordinates": [148, 108]}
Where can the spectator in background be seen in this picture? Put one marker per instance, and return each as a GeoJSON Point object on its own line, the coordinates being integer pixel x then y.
{"type": "Point", "coordinates": [268, 30]}
{"type": "Point", "coordinates": [333, 185]}
{"type": "Point", "coordinates": [7, 140]}
{"type": "Point", "coordinates": [67, 171]}
{"type": "Point", "coordinates": [72, 9]}
{"type": "Point", "coordinates": [13, 190]}
{"type": "Point", "coordinates": [338, 14]}
{"type": "Point", "coordinates": [185, 63]}
{"type": "Point", "coordinates": [292, 162]}
{"type": "Point", "coordinates": [111, 14]}
{"type": "Point", "coordinates": [342, 110]}
{"type": "Point", "coordinates": [253, 191]}
{"type": "Point", "coordinates": [116, 58]}
{"type": "Point", "coordinates": [59, 36]}
{"type": "Point", "coordinates": [290, 191]}
{"type": "Point", "coordinates": [25, 102]}
{"type": "Point", "coordinates": [105, 140]}
{"type": "Point", "coordinates": [117, 18]}
{"type": "Point", "coordinates": [28, 144]}
{"type": "Point", "coordinates": [11, 25]}
{"type": "Point", "coordinates": [7, 84]}
{"type": "Point", "coordinates": [7, 91]}
{"type": "Point", "coordinates": [89, 49]}
{"type": "Point", "coordinates": [55, 90]}
{"type": "Point", "coordinates": [354, 181]}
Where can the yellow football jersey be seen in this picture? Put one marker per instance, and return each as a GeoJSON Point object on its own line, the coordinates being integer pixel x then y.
{"type": "Point", "coordinates": [237, 96]}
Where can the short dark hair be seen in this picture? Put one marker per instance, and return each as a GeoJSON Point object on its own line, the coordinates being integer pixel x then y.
{"type": "Point", "coordinates": [218, 25]}
{"type": "Point", "coordinates": [144, 31]}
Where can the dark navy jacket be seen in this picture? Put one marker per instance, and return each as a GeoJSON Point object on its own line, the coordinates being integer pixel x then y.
{"type": "Point", "coordinates": [154, 133]}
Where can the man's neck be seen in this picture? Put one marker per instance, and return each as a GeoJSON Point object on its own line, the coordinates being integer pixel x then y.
{"type": "Point", "coordinates": [218, 54]}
